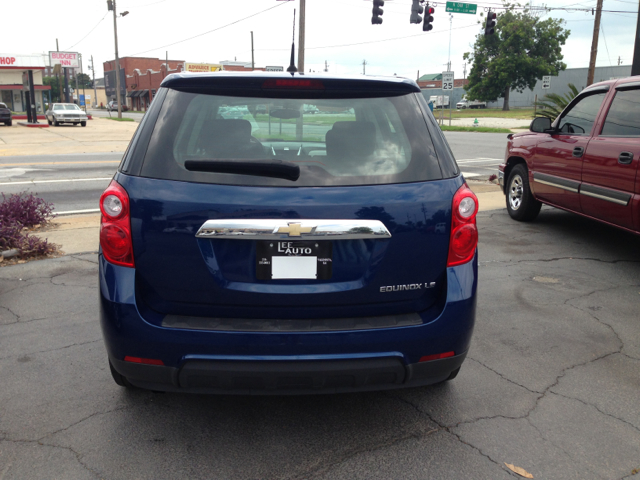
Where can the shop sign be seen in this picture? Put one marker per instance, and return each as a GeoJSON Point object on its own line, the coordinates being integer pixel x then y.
{"type": "Point", "coordinates": [14, 60]}
{"type": "Point", "coordinates": [65, 59]}
{"type": "Point", "coordinates": [202, 67]}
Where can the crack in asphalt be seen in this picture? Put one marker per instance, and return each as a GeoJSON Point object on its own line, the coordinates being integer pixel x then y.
{"type": "Point", "coordinates": [77, 455]}
{"type": "Point", "coordinates": [449, 431]}
{"type": "Point", "coordinates": [321, 469]}
{"type": "Point", "coordinates": [84, 259]}
{"type": "Point", "coordinates": [502, 376]}
{"type": "Point", "coordinates": [55, 349]}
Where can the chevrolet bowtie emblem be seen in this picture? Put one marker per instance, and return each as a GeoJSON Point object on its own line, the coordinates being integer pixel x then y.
{"type": "Point", "coordinates": [295, 229]}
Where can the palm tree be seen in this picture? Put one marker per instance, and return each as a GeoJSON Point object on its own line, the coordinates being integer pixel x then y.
{"type": "Point", "coordinates": [553, 104]}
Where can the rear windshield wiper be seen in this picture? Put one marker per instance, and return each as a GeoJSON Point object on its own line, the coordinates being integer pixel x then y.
{"type": "Point", "coordinates": [261, 168]}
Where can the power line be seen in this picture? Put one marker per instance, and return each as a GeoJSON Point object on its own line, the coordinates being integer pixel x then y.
{"type": "Point", "coordinates": [96, 26]}
{"type": "Point", "coordinates": [210, 31]}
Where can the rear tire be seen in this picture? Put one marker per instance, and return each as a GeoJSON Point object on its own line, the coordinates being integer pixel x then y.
{"type": "Point", "coordinates": [521, 204]}
{"type": "Point", "coordinates": [119, 379]}
{"type": "Point", "coordinates": [84, 124]}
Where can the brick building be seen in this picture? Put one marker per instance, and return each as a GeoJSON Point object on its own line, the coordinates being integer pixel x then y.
{"type": "Point", "coordinates": [140, 78]}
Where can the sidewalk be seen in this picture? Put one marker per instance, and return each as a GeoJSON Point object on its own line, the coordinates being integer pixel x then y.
{"type": "Point", "coordinates": [99, 136]}
{"type": "Point", "coordinates": [80, 233]}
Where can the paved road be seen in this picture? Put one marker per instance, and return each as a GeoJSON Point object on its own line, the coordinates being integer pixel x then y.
{"type": "Point", "coordinates": [74, 182]}
{"type": "Point", "coordinates": [137, 117]}
{"type": "Point", "coordinates": [550, 384]}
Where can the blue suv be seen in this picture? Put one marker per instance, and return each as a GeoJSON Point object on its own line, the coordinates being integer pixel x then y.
{"type": "Point", "coordinates": [279, 251]}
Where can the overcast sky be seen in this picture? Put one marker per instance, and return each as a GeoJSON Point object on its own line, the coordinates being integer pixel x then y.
{"type": "Point", "coordinates": [337, 31]}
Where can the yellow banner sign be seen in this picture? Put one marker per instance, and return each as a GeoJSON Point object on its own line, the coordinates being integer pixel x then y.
{"type": "Point", "coordinates": [202, 67]}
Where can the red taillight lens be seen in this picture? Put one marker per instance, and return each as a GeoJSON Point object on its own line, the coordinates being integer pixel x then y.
{"type": "Point", "coordinates": [146, 361]}
{"type": "Point", "coordinates": [293, 83]}
{"type": "Point", "coordinates": [437, 356]}
{"type": "Point", "coordinates": [464, 232]}
{"type": "Point", "coordinates": [115, 226]}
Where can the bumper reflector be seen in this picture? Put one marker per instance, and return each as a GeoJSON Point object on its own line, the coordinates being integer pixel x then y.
{"type": "Point", "coordinates": [146, 361]}
{"type": "Point", "coordinates": [436, 356]}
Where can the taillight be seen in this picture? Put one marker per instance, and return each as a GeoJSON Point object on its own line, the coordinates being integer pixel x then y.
{"type": "Point", "coordinates": [115, 226]}
{"type": "Point", "coordinates": [464, 232]}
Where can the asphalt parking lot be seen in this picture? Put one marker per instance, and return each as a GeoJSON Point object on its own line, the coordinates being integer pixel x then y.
{"type": "Point", "coordinates": [550, 385]}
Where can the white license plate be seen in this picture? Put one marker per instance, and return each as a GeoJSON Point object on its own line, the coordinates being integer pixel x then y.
{"type": "Point", "coordinates": [294, 267]}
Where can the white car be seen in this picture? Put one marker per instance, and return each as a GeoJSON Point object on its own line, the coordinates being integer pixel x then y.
{"type": "Point", "coordinates": [59, 113]}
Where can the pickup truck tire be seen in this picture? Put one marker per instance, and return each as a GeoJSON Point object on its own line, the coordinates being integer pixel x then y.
{"type": "Point", "coordinates": [521, 204]}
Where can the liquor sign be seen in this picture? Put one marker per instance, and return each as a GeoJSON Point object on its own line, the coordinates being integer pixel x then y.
{"type": "Point", "coordinates": [65, 59]}
{"type": "Point", "coordinates": [202, 67]}
{"type": "Point", "coordinates": [457, 7]}
{"type": "Point", "coordinates": [546, 82]}
{"type": "Point", "coordinates": [447, 80]}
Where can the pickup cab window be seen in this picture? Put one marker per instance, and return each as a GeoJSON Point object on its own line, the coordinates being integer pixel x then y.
{"type": "Point", "coordinates": [623, 119]}
{"type": "Point", "coordinates": [579, 120]}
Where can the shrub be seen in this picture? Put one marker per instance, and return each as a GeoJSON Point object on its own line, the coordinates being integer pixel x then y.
{"type": "Point", "coordinates": [26, 209]}
{"type": "Point", "coordinates": [18, 212]}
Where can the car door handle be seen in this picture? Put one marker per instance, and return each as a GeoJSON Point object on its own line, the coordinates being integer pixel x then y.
{"type": "Point", "coordinates": [625, 158]}
{"type": "Point", "coordinates": [578, 151]}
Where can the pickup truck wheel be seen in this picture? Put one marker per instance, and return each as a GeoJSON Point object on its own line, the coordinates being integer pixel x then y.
{"type": "Point", "coordinates": [8, 123]}
{"type": "Point", "coordinates": [84, 124]}
{"type": "Point", "coordinates": [521, 204]}
{"type": "Point", "coordinates": [55, 122]}
{"type": "Point", "coordinates": [49, 121]}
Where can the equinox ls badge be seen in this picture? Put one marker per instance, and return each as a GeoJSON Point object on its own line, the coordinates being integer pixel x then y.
{"type": "Point", "coordinates": [410, 286]}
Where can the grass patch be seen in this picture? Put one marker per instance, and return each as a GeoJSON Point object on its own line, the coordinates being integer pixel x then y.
{"type": "Point", "coordinates": [524, 113]}
{"type": "Point", "coordinates": [123, 119]}
{"type": "Point", "coordinates": [446, 128]}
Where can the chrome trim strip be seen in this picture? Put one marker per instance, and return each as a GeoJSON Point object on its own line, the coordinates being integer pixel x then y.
{"type": "Point", "coordinates": [563, 187]}
{"type": "Point", "coordinates": [293, 229]}
{"type": "Point", "coordinates": [603, 197]}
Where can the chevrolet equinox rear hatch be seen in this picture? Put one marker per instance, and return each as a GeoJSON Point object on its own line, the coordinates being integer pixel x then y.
{"type": "Point", "coordinates": [276, 198]}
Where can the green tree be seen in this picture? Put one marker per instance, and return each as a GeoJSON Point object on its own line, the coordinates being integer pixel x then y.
{"type": "Point", "coordinates": [523, 49]}
{"type": "Point", "coordinates": [84, 80]}
{"type": "Point", "coordinates": [55, 87]}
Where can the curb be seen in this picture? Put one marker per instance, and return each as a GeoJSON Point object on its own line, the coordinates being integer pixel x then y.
{"type": "Point", "coordinates": [33, 125]}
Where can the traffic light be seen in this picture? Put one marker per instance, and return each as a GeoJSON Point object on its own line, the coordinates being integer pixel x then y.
{"type": "Point", "coordinates": [489, 28]}
{"type": "Point", "coordinates": [109, 5]}
{"type": "Point", "coordinates": [416, 10]}
{"type": "Point", "coordinates": [428, 18]}
{"type": "Point", "coordinates": [377, 12]}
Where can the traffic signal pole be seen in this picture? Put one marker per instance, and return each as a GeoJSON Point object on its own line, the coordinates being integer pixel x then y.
{"type": "Point", "coordinates": [635, 67]}
{"type": "Point", "coordinates": [115, 35]}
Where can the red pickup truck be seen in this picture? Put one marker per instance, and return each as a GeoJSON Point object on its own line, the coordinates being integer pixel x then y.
{"type": "Point", "coordinates": [585, 162]}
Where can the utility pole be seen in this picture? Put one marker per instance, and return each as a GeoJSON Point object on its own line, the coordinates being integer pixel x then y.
{"type": "Point", "coordinates": [635, 66]}
{"type": "Point", "coordinates": [464, 71]}
{"type": "Point", "coordinates": [115, 36]}
{"type": "Point", "coordinates": [95, 90]}
{"type": "Point", "coordinates": [301, 38]}
{"type": "Point", "coordinates": [364, 67]}
{"type": "Point", "coordinates": [252, 64]}
{"type": "Point", "coordinates": [594, 44]}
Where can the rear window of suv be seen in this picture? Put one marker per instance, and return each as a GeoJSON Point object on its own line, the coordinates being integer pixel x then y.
{"type": "Point", "coordinates": [345, 141]}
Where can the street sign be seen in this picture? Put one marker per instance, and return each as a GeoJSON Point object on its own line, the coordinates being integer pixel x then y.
{"type": "Point", "coordinates": [546, 82]}
{"type": "Point", "coordinates": [457, 7]}
{"type": "Point", "coordinates": [82, 100]}
{"type": "Point", "coordinates": [447, 81]}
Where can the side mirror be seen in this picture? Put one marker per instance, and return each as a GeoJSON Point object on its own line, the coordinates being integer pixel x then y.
{"type": "Point", "coordinates": [540, 124]}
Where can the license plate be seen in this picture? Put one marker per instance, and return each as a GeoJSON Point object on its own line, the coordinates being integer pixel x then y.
{"type": "Point", "coordinates": [286, 260]}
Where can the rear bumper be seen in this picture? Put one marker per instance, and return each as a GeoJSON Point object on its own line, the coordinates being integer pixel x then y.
{"type": "Point", "coordinates": [501, 180]}
{"type": "Point", "coordinates": [286, 362]}
{"type": "Point", "coordinates": [288, 377]}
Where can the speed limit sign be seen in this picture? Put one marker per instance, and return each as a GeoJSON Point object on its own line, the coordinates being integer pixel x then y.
{"type": "Point", "coordinates": [447, 80]}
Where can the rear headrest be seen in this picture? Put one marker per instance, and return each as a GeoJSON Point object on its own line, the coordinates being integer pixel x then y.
{"type": "Point", "coordinates": [222, 137]}
{"type": "Point", "coordinates": [351, 139]}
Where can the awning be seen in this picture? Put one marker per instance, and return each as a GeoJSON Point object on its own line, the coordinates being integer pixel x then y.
{"type": "Point", "coordinates": [144, 93]}
{"type": "Point", "coordinates": [131, 93]}
{"type": "Point", "coordinates": [135, 93]}
{"type": "Point", "coordinates": [21, 87]}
